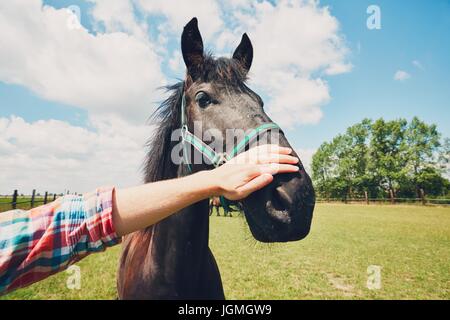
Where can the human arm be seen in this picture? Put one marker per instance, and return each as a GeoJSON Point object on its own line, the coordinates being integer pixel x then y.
{"type": "Point", "coordinates": [37, 243]}
{"type": "Point", "coordinates": [141, 206]}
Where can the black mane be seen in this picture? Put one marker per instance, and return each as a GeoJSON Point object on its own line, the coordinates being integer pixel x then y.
{"type": "Point", "coordinates": [227, 72]}
{"type": "Point", "coordinates": [167, 117]}
{"type": "Point", "coordinates": [222, 71]}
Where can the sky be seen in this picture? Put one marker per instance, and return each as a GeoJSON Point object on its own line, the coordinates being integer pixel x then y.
{"type": "Point", "coordinates": [79, 79]}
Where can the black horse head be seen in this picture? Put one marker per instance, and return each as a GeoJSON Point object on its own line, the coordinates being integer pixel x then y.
{"type": "Point", "coordinates": [217, 96]}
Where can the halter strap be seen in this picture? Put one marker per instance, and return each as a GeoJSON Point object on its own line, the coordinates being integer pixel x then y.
{"type": "Point", "coordinates": [217, 159]}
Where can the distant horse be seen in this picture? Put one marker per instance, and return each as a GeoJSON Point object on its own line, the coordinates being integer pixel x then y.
{"type": "Point", "coordinates": [216, 203]}
{"type": "Point", "coordinates": [172, 260]}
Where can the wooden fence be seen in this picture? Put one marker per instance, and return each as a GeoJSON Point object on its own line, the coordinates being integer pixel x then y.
{"type": "Point", "coordinates": [15, 201]}
{"type": "Point", "coordinates": [421, 201]}
{"type": "Point", "coordinates": [424, 200]}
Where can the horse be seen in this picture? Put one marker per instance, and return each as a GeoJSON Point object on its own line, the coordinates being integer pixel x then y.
{"type": "Point", "coordinates": [215, 204]}
{"type": "Point", "coordinates": [172, 259]}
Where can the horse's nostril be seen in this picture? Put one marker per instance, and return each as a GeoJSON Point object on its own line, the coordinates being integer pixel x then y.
{"type": "Point", "coordinates": [283, 197]}
{"type": "Point", "coordinates": [281, 200]}
{"type": "Point", "coordinates": [279, 205]}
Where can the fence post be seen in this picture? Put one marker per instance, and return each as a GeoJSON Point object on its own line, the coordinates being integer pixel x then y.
{"type": "Point", "coordinates": [422, 196]}
{"type": "Point", "coordinates": [54, 196]}
{"type": "Point", "coordinates": [367, 197]}
{"type": "Point", "coordinates": [14, 200]}
{"type": "Point", "coordinates": [45, 197]}
{"type": "Point", "coordinates": [33, 195]}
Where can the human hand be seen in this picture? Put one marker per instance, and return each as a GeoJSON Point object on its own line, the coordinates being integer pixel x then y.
{"type": "Point", "coordinates": [251, 171]}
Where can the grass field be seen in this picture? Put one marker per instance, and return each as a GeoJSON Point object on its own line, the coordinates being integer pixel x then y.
{"type": "Point", "coordinates": [411, 244]}
{"type": "Point", "coordinates": [23, 202]}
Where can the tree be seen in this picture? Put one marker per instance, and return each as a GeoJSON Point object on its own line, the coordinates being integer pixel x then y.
{"type": "Point", "coordinates": [329, 169]}
{"type": "Point", "coordinates": [383, 157]}
{"type": "Point", "coordinates": [357, 157]}
{"type": "Point", "coordinates": [321, 167]}
{"type": "Point", "coordinates": [340, 167]}
{"type": "Point", "coordinates": [444, 157]}
{"type": "Point", "coordinates": [432, 182]}
{"type": "Point", "coordinates": [388, 154]}
{"type": "Point", "coordinates": [422, 146]}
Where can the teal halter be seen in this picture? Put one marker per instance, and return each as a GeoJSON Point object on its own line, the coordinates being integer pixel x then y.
{"type": "Point", "coordinates": [217, 159]}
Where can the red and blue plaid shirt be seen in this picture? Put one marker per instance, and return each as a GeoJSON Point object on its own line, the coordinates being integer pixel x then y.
{"type": "Point", "coordinates": [37, 243]}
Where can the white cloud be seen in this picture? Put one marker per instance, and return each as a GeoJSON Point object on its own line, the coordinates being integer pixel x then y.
{"type": "Point", "coordinates": [239, 3]}
{"type": "Point", "coordinates": [104, 73]}
{"type": "Point", "coordinates": [306, 156]}
{"type": "Point", "coordinates": [227, 38]}
{"type": "Point", "coordinates": [401, 75]}
{"type": "Point", "coordinates": [54, 156]}
{"type": "Point", "coordinates": [296, 99]}
{"type": "Point", "coordinates": [176, 62]}
{"type": "Point", "coordinates": [178, 13]}
{"type": "Point", "coordinates": [338, 68]}
{"type": "Point", "coordinates": [118, 16]}
{"type": "Point", "coordinates": [114, 73]}
{"type": "Point", "coordinates": [296, 43]}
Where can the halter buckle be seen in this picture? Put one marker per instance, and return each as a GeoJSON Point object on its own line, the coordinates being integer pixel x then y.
{"type": "Point", "coordinates": [222, 158]}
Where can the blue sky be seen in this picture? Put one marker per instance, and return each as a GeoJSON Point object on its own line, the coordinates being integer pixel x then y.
{"type": "Point", "coordinates": [413, 39]}
{"type": "Point", "coordinates": [411, 30]}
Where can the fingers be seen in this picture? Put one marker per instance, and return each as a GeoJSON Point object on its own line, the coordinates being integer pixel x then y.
{"type": "Point", "coordinates": [258, 183]}
{"type": "Point", "coordinates": [249, 172]}
{"type": "Point", "coordinates": [267, 153]}
{"type": "Point", "coordinates": [274, 168]}
{"type": "Point", "coordinates": [272, 148]}
{"type": "Point", "coordinates": [238, 180]}
{"type": "Point", "coordinates": [277, 158]}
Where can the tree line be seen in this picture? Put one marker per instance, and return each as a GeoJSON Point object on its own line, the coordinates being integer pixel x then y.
{"type": "Point", "coordinates": [383, 159]}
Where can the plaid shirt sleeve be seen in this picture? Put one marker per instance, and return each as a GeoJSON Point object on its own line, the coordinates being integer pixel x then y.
{"type": "Point", "coordinates": [37, 243]}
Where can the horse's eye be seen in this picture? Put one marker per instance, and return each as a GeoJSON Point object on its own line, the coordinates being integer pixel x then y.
{"type": "Point", "coordinates": [203, 99]}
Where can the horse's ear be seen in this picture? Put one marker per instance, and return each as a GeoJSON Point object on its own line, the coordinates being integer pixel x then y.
{"type": "Point", "coordinates": [192, 48]}
{"type": "Point", "coordinates": [244, 52]}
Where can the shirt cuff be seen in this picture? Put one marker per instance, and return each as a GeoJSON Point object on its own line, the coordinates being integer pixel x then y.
{"type": "Point", "coordinates": [101, 229]}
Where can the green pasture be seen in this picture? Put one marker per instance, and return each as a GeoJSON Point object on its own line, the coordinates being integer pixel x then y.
{"type": "Point", "coordinates": [411, 244]}
{"type": "Point", "coordinates": [23, 202]}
